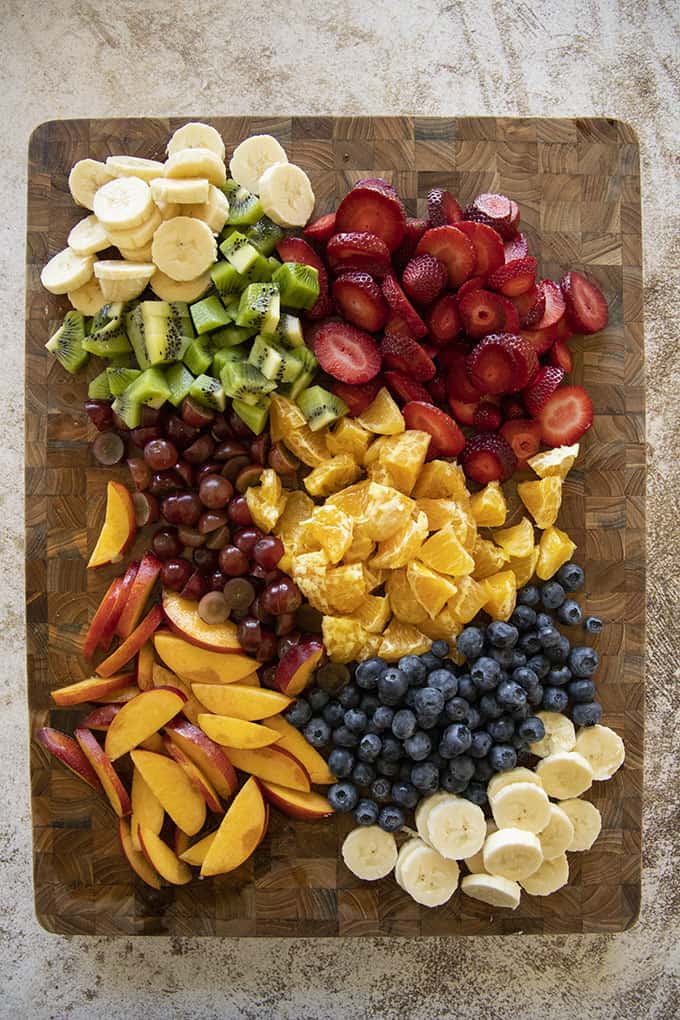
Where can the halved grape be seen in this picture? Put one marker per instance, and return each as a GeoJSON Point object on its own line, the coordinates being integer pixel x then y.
{"type": "Point", "coordinates": [239, 593]}
{"type": "Point", "coordinates": [108, 448]}
{"type": "Point", "coordinates": [146, 507]}
{"type": "Point", "coordinates": [212, 608]}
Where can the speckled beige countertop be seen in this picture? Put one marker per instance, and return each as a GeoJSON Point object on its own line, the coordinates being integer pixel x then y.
{"type": "Point", "coordinates": [96, 58]}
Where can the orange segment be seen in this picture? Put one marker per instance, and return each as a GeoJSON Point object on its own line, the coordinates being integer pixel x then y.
{"type": "Point", "coordinates": [405, 605]}
{"type": "Point", "coordinates": [444, 552]}
{"type": "Point", "coordinates": [401, 457]}
{"type": "Point", "coordinates": [403, 545]}
{"type": "Point", "coordinates": [343, 638]}
{"type": "Point", "coordinates": [488, 506]}
{"type": "Point", "coordinates": [440, 479]}
{"type": "Point", "coordinates": [382, 416]}
{"type": "Point", "coordinates": [523, 567]}
{"type": "Point", "coordinates": [554, 463]}
{"type": "Point", "coordinates": [351, 500]}
{"type": "Point", "coordinates": [501, 595]}
{"type": "Point", "coordinates": [332, 475]}
{"type": "Point", "coordinates": [542, 499]}
{"type": "Point", "coordinates": [554, 549]}
{"type": "Point", "coordinates": [310, 447]}
{"type": "Point", "coordinates": [267, 500]}
{"type": "Point", "coordinates": [386, 511]}
{"type": "Point", "coordinates": [518, 540]}
{"type": "Point", "coordinates": [361, 549]}
{"type": "Point", "coordinates": [488, 558]}
{"type": "Point", "coordinates": [401, 639]}
{"type": "Point", "coordinates": [350, 437]}
{"type": "Point", "coordinates": [332, 529]}
{"type": "Point", "coordinates": [373, 613]}
{"type": "Point", "coordinates": [298, 509]}
{"type": "Point", "coordinates": [444, 626]}
{"type": "Point", "coordinates": [284, 417]}
{"type": "Point", "coordinates": [432, 590]}
{"type": "Point", "coordinates": [345, 587]}
{"type": "Point", "coordinates": [469, 599]}
{"type": "Point", "coordinates": [309, 573]}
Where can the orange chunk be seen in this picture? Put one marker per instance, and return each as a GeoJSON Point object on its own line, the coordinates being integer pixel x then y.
{"type": "Point", "coordinates": [382, 416]}
{"type": "Point", "coordinates": [343, 638]}
{"type": "Point", "coordinates": [361, 549]}
{"type": "Point", "coordinates": [332, 475]}
{"type": "Point", "coordinates": [309, 447]}
{"type": "Point", "coordinates": [444, 552]}
{"type": "Point", "coordinates": [309, 573]}
{"type": "Point", "coordinates": [403, 545]}
{"type": "Point", "coordinates": [345, 587]}
{"type": "Point", "coordinates": [518, 540]}
{"type": "Point", "coordinates": [402, 639]}
{"type": "Point", "coordinates": [542, 499]}
{"type": "Point", "coordinates": [444, 626]}
{"type": "Point", "coordinates": [284, 418]}
{"type": "Point", "coordinates": [405, 605]}
{"type": "Point", "coordinates": [267, 500]}
{"type": "Point", "coordinates": [298, 509]}
{"type": "Point", "coordinates": [386, 511]}
{"type": "Point", "coordinates": [501, 595]}
{"type": "Point", "coordinates": [373, 613]}
{"type": "Point", "coordinates": [488, 506]}
{"type": "Point", "coordinates": [351, 500]}
{"type": "Point", "coordinates": [441, 479]}
{"type": "Point", "coordinates": [554, 549]}
{"type": "Point", "coordinates": [332, 529]}
{"type": "Point", "coordinates": [432, 590]}
{"type": "Point", "coordinates": [402, 457]}
{"type": "Point", "coordinates": [489, 558]}
{"type": "Point", "coordinates": [350, 437]}
{"type": "Point", "coordinates": [523, 567]}
{"type": "Point", "coordinates": [554, 463]}
{"type": "Point", "coordinates": [469, 599]}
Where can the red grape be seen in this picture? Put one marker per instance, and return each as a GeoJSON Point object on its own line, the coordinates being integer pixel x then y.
{"type": "Point", "coordinates": [215, 580]}
{"type": "Point", "coordinates": [267, 675]}
{"type": "Point", "coordinates": [205, 559]}
{"type": "Point", "coordinates": [185, 472]}
{"type": "Point", "coordinates": [200, 450]}
{"type": "Point", "coordinates": [175, 573]}
{"type": "Point", "coordinates": [140, 471]}
{"type": "Point", "coordinates": [160, 454]}
{"type": "Point", "coordinates": [181, 434]}
{"type": "Point", "coordinates": [195, 414]}
{"type": "Point", "coordinates": [238, 427]}
{"type": "Point", "coordinates": [100, 414]}
{"type": "Point", "coordinates": [267, 647]}
{"type": "Point", "coordinates": [285, 624]}
{"type": "Point", "coordinates": [281, 597]}
{"type": "Point", "coordinates": [265, 577]}
{"type": "Point", "coordinates": [287, 642]}
{"type": "Point", "coordinates": [163, 483]}
{"type": "Point", "coordinates": [191, 537]}
{"type": "Point", "coordinates": [259, 612]}
{"type": "Point", "coordinates": [233, 562]}
{"type": "Point", "coordinates": [146, 508]}
{"type": "Point", "coordinates": [151, 416]}
{"type": "Point", "coordinates": [239, 513]}
{"type": "Point", "coordinates": [247, 476]}
{"type": "Point", "coordinates": [218, 539]}
{"type": "Point", "coordinates": [108, 448]}
{"type": "Point", "coordinates": [211, 467]}
{"type": "Point", "coordinates": [230, 448]}
{"type": "Point", "coordinates": [259, 448]}
{"type": "Point", "coordinates": [239, 593]}
{"type": "Point", "coordinates": [141, 436]}
{"type": "Point", "coordinates": [215, 491]}
{"type": "Point", "coordinates": [308, 618]}
{"type": "Point", "coordinates": [212, 608]}
{"type": "Point", "coordinates": [182, 508]}
{"type": "Point", "coordinates": [211, 520]}
{"type": "Point", "coordinates": [166, 544]}
{"type": "Point", "coordinates": [268, 551]}
{"type": "Point", "coordinates": [220, 428]}
{"type": "Point", "coordinates": [245, 539]}
{"type": "Point", "coordinates": [249, 634]}
{"type": "Point", "coordinates": [233, 466]}
{"type": "Point", "coordinates": [195, 588]}
{"type": "Point", "coordinates": [282, 460]}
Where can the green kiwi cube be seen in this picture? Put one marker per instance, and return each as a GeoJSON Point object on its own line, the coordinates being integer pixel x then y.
{"type": "Point", "coordinates": [260, 271]}
{"type": "Point", "coordinates": [320, 407]}
{"type": "Point", "coordinates": [226, 355]}
{"type": "Point", "coordinates": [209, 392]}
{"type": "Point", "coordinates": [226, 279]}
{"type": "Point", "coordinates": [309, 362]}
{"type": "Point", "coordinates": [244, 207]}
{"type": "Point", "coordinates": [118, 379]}
{"type": "Point", "coordinates": [254, 415]}
{"type": "Point", "coordinates": [179, 380]}
{"type": "Point", "coordinates": [134, 325]}
{"type": "Point", "coordinates": [294, 389]}
{"type": "Point", "coordinates": [114, 310]}
{"type": "Point", "coordinates": [68, 343]}
{"type": "Point", "coordinates": [149, 388]}
{"type": "Point", "coordinates": [168, 330]}
{"type": "Point", "coordinates": [298, 284]}
{"type": "Point", "coordinates": [232, 336]}
{"type": "Point", "coordinates": [108, 340]}
{"type": "Point", "coordinates": [128, 408]}
{"type": "Point", "coordinates": [98, 388]}
{"type": "Point", "coordinates": [265, 235]}
{"type": "Point", "coordinates": [243, 381]}
{"type": "Point", "coordinates": [260, 306]}
{"type": "Point", "coordinates": [239, 252]}
{"type": "Point", "coordinates": [209, 314]}
{"type": "Point", "coordinates": [199, 355]}
{"type": "Point", "coordinates": [289, 331]}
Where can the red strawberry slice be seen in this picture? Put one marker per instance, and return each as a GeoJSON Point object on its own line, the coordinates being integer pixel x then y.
{"type": "Point", "coordinates": [566, 416]}
{"type": "Point", "coordinates": [451, 246]}
{"type": "Point", "coordinates": [541, 387]}
{"type": "Point", "coordinates": [322, 307]}
{"type": "Point", "coordinates": [459, 385]}
{"type": "Point", "coordinates": [444, 319]}
{"type": "Point", "coordinates": [359, 298]}
{"type": "Point", "coordinates": [489, 251]}
{"type": "Point", "coordinates": [358, 397]}
{"type": "Point", "coordinates": [487, 457]}
{"type": "Point", "coordinates": [540, 339]}
{"type": "Point", "coordinates": [296, 249]}
{"type": "Point", "coordinates": [555, 304]}
{"type": "Point", "coordinates": [587, 306]}
{"type": "Point", "coordinates": [397, 326]}
{"type": "Point", "coordinates": [405, 388]}
{"type": "Point", "coordinates": [512, 407]}
{"type": "Point", "coordinates": [442, 208]}
{"type": "Point", "coordinates": [530, 305]}
{"type": "Point", "coordinates": [424, 278]}
{"type": "Point", "coordinates": [463, 413]}
{"type": "Point", "coordinates": [347, 353]}
{"type": "Point", "coordinates": [516, 248]}
{"type": "Point", "coordinates": [524, 436]}
{"type": "Point", "coordinates": [515, 277]}
{"type": "Point", "coordinates": [310, 332]}
{"type": "Point", "coordinates": [321, 230]}
{"type": "Point", "coordinates": [514, 217]}
{"type": "Point", "coordinates": [562, 330]}
{"type": "Point", "coordinates": [487, 417]}
{"type": "Point", "coordinates": [484, 312]}
{"type": "Point", "coordinates": [365, 252]}
{"type": "Point", "coordinates": [501, 363]}
{"type": "Point", "coordinates": [560, 356]}
{"type": "Point", "coordinates": [474, 283]}
{"type": "Point", "coordinates": [496, 208]}
{"type": "Point", "coordinates": [447, 439]}
{"type": "Point", "coordinates": [405, 355]}
{"type": "Point", "coordinates": [372, 209]}
{"type": "Point", "coordinates": [376, 182]}
{"type": "Point", "coordinates": [402, 307]}
{"type": "Point", "coordinates": [430, 349]}
{"type": "Point", "coordinates": [415, 229]}
{"type": "Point", "coordinates": [437, 388]}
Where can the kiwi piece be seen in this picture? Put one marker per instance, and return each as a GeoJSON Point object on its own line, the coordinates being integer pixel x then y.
{"type": "Point", "coordinates": [150, 388]}
{"type": "Point", "coordinates": [114, 310]}
{"type": "Point", "coordinates": [118, 379]}
{"type": "Point", "coordinates": [309, 362]}
{"type": "Point", "coordinates": [239, 252]}
{"type": "Point", "coordinates": [259, 306]}
{"type": "Point", "coordinates": [320, 407]}
{"type": "Point", "coordinates": [226, 355]}
{"type": "Point", "coordinates": [168, 330]}
{"type": "Point", "coordinates": [226, 279]}
{"type": "Point", "coordinates": [232, 336]}
{"type": "Point", "coordinates": [98, 388]}
{"type": "Point", "coordinates": [134, 325]}
{"type": "Point", "coordinates": [298, 284]}
{"type": "Point", "coordinates": [274, 362]}
{"type": "Point", "coordinates": [260, 271]}
{"type": "Point", "coordinates": [294, 389]}
{"type": "Point", "coordinates": [208, 392]}
{"type": "Point", "coordinates": [254, 415]}
{"type": "Point", "coordinates": [108, 340]}
{"type": "Point", "coordinates": [199, 355]}
{"type": "Point", "coordinates": [68, 343]}
{"type": "Point", "coordinates": [127, 360]}
{"type": "Point", "coordinates": [209, 314]}
{"type": "Point", "coordinates": [128, 408]}
{"type": "Point", "coordinates": [265, 235]}
{"type": "Point", "coordinates": [289, 331]}
{"type": "Point", "coordinates": [244, 207]}
{"type": "Point", "coordinates": [244, 382]}
{"type": "Point", "coordinates": [178, 380]}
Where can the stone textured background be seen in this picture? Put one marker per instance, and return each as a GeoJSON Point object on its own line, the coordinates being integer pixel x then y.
{"type": "Point", "coordinates": [193, 57]}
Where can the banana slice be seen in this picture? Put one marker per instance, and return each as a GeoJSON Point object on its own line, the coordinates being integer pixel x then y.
{"type": "Point", "coordinates": [134, 166]}
{"type": "Point", "coordinates": [170, 290]}
{"type": "Point", "coordinates": [123, 281]}
{"type": "Point", "coordinates": [557, 835]}
{"type": "Point", "coordinates": [86, 178]}
{"type": "Point", "coordinates": [521, 806]}
{"type": "Point", "coordinates": [405, 850]}
{"type": "Point", "coordinates": [139, 236]}
{"type": "Point", "coordinates": [565, 774]}
{"type": "Point", "coordinates": [123, 203]}
{"type": "Point", "coordinates": [475, 863]}
{"type": "Point", "coordinates": [512, 853]}
{"type": "Point", "coordinates": [196, 136]}
{"type": "Point", "coordinates": [457, 828]}
{"type": "Point", "coordinates": [586, 820]}
{"type": "Point", "coordinates": [427, 877]}
{"type": "Point", "coordinates": [184, 248]}
{"type": "Point", "coordinates": [183, 190]}
{"type": "Point", "coordinates": [196, 163]}
{"type": "Point", "coordinates": [137, 254]}
{"type": "Point", "coordinates": [550, 877]}
{"type": "Point", "coordinates": [214, 212]}
{"type": "Point", "coordinates": [286, 195]}
{"type": "Point", "coordinates": [168, 210]}
{"type": "Point", "coordinates": [369, 852]}
{"type": "Point", "coordinates": [560, 735]}
{"type": "Point", "coordinates": [492, 889]}
{"type": "Point", "coordinates": [87, 299]}
{"type": "Point", "coordinates": [602, 748]}
{"type": "Point", "coordinates": [425, 806]}
{"type": "Point", "coordinates": [67, 271]}
{"type": "Point", "coordinates": [88, 237]}
{"type": "Point", "coordinates": [252, 157]}
{"type": "Point", "coordinates": [503, 779]}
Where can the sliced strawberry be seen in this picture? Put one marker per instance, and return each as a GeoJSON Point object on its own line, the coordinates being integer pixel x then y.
{"type": "Point", "coordinates": [540, 339]}
{"type": "Point", "coordinates": [405, 388]}
{"type": "Point", "coordinates": [530, 305]}
{"type": "Point", "coordinates": [463, 413]}
{"type": "Point", "coordinates": [430, 349]}
{"type": "Point", "coordinates": [487, 417]}
{"type": "Point", "coordinates": [321, 230]}
{"type": "Point", "coordinates": [524, 436]}
{"type": "Point", "coordinates": [310, 332]}
{"type": "Point", "coordinates": [403, 354]}
{"type": "Point", "coordinates": [442, 208]}
{"type": "Point", "coordinates": [560, 356]}
{"type": "Point", "coordinates": [359, 298]}
{"type": "Point", "coordinates": [541, 387]}
{"type": "Point", "coordinates": [474, 283]}
{"type": "Point", "coordinates": [424, 278]}
{"type": "Point", "coordinates": [365, 252]}
{"type": "Point", "coordinates": [512, 407]}
{"type": "Point", "coordinates": [484, 312]}
{"type": "Point", "coordinates": [587, 306]}
{"type": "Point", "coordinates": [489, 251]}
{"type": "Point", "coordinates": [402, 307]}
{"type": "Point", "coordinates": [514, 217]}
{"type": "Point", "coordinates": [397, 326]}
{"type": "Point", "coordinates": [493, 210]}
{"type": "Point", "coordinates": [296, 249]}
{"type": "Point", "coordinates": [516, 248]}
{"type": "Point", "coordinates": [562, 330]}
{"type": "Point", "coordinates": [347, 353]}
{"type": "Point", "coordinates": [322, 307]}
{"type": "Point", "coordinates": [447, 439]}
{"type": "Point", "coordinates": [371, 209]}
{"type": "Point", "coordinates": [566, 416]}
{"type": "Point", "coordinates": [444, 319]}
{"type": "Point", "coordinates": [437, 388]}
{"type": "Point", "coordinates": [358, 397]}
{"type": "Point", "coordinates": [555, 304]}
{"type": "Point", "coordinates": [415, 229]}
{"type": "Point", "coordinates": [459, 386]}
{"type": "Point", "coordinates": [501, 363]}
{"type": "Point", "coordinates": [487, 457]}
{"type": "Point", "coordinates": [515, 277]}
{"type": "Point", "coordinates": [451, 246]}
{"type": "Point", "coordinates": [376, 182]}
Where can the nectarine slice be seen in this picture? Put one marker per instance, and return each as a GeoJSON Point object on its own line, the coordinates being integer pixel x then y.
{"type": "Point", "coordinates": [294, 742]}
{"type": "Point", "coordinates": [132, 644]}
{"type": "Point", "coordinates": [229, 732]}
{"type": "Point", "coordinates": [295, 803]}
{"type": "Point", "coordinates": [142, 586]}
{"type": "Point", "coordinates": [171, 785]}
{"type": "Point", "coordinates": [92, 689]}
{"type": "Point", "coordinates": [152, 743]}
{"type": "Point", "coordinates": [141, 717]}
{"type": "Point", "coordinates": [100, 718]}
{"type": "Point", "coordinates": [198, 780]}
{"type": "Point", "coordinates": [163, 859]}
{"type": "Point", "coordinates": [241, 701]}
{"type": "Point", "coordinates": [183, 619]}
{"type": "Point", "coordinates": [239, 833]}
{"type": "Point", "coordinates": [101, 621]}
{"type": "Point", "coordinates": [204, 752]}
{"type": "Point", "coordinates": [136, 858]}
{"type": "Point", "coordinates": [66, 750]}
{"type": "Point", "coordinates": [295, 669]}
{"type": "Point", "coordinates": [196, 854]}
{"type": "Point", "coordinates": [250, 681]}
{"type": "Point", "coordinates": [119, 527]}
{"type": "Point", "coordinates": [145, 665]}
{"type": "Point", "coordinates": [180, 841]}
{"type": "Point", "coordinates": [272, 764]}
{"type": "Point", "coordinates": [192, 707]}
{"type": "Point", "coordinates": [198, 665]}
{"type": "Point", "coordinates": [119, 697]}
{"type": "Point", "coordinates": [147, 810]}
{"type": "Point", "coordinates": [109, 778]}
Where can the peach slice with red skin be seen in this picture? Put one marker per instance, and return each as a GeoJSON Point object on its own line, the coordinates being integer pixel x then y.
{"type": "Point", "coordinates": [135, 858]}
{"type": "Point", "coordinates": [272, 764]}
{"type": "Point", "coordinates": [295, 803]}
{"type": "Point", "coordinates": [163, 859]}
{"type": "Point", "coordinates": [240, 700]}
{"type": "Point", "coordinates": [170, 783]}
{"type": "Point", "coordinates": [132, 644]}
{"type": "Point", "coordinates": [109, 778]}
{"type": "Point", "coordinates": [210, 758]}
{"type": "Point", "coordinates": [92, 689]}
{"type": "Point", "coordinates": [237, 733]}
{"type": "Point", "coordinates": [147, 810]}
{"type": "Point", "coordinates": [239, 833]}
{"type": "Point", "coordinates": [180, 841]}
{"type": "Point", "coordinates": [152, 743]}
{"type": "Point", "coordinates": [296, 667]}
{"type": "Point", "coordinates": [101, 718]}
{"type": "Point", "coordinates": [66, 750]}
{"type": "Point", "coordinates": [140, 718]}
{"type": "Point", "coordinates": [196, 853]}
{"type": "Point", "coordinates": [198, 780]}
{"type": "Point", "coordinates": [119, 527]}
{"type": "Point", "coordinates": [294, 742]}
{"type": "Point", "coordinates": [192, 707]}
{"type": "Point", "coordinates": [142, 586]}
{"type": "Point", "coordinates": [119, 697]}
{"type": "Point", "coordinates": [101, 621]}
{"type": "Point", "coordinates": [199, 665]}
{"type": "Point", "coordinates": [182, 618]}
{"type": "Point", "coordinates": [145, 665]}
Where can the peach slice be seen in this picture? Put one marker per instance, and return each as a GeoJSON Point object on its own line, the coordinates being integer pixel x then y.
{"type": "Point", "coordinates": [119, 527]}
{"type": "Point", "coordinates": [153, 743]}
{"type": "Point", "coordinates": [198, 665]}
{"type": "Point", "coordinates": [272, 764]}
{"type": "Point", "coordinates": [192, 707]}
{"type": "Point", "coordinates": [196, 853]}
{"type": "Point", "coordinates": [119, 697]}
{"type": "Point", "coordinates": [239, 833]}
{"type": "Point", "coordinates": [141, 717]}
{"type": "Point", "coordinates": [250, 681]}
{"type": "Point", "coordinates": [132, 644]}
{"type": "Point", "coordinates": [170, 783]}
{"type": "Point", "coordinates": [206, 754]}
{"type": "Point", "coordinates": [180, 841]}
{"type": "Point", "coordinates": [296, 667]}
{"type": "Point", "coordinates": [236, 732]}
{"type": "Point", "coordinates": [182, 617]}
{"type": "Point", "coordinates": [66, 750]}
{"type": "Point", "coordinates": [294, 742]}
{"type": "Point", "coordinates": [109, 778]}
{"type": "Point", "coordinates": [101, 718]}
{"type": "Point", "coordinates": [163, 859]}
{"type": "Point", "coordinates": [92, 689]}
{"type": "Point", "coordinates": [295, 803]}
{"type": "Point", "coordinates": [147, 810]}
{"type": "Point", "coordinates": [111, 604]}
{"type": "Point", "coordinates": [145, 665]}
{"type": "Point", "coordinates": [198, 780]}
{"type": "Point", "coordinates": [142, 586]}
{"type": "Point", "coordinates": [136, 858]}
{"type": "Point", "coordinates": [240, 700]}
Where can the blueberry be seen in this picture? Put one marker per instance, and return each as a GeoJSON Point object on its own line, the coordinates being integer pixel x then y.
{"type": "Point", "coordinates": [382, 718]}
{"type": "Point", "coordinates": [540, 665]}
{"type": "Point", "coordinates": [549, 636]}
{"type": "Point", "coordinates": [480, 745]}
{"type": "Point", "coordinates": [317, 732]}
{"type": "Point", "coordinates": [356, 720]}
{"type": "Point", "coordinates": [440, 649]}
{"type": "Point", "coordinates": [489, 707]}
{"type": "Point", "coordinates": [521, 713]}
{"type": "Point", "coordinates": [483, 770]}
{"type": "Point", "coordinates": [366, 674]}
{"type": "Point", "coordinates": [535, 695]}
{"type": "Point", "coordinates": [486, 673]}
{"type": "Point", "coordinates": [368, 704]}
{"type": "Point", "coordinates": [405, 770]}
{"type": "Point", "coordinates": [476, 792]}
{"type": "Point", "coordinates": [543, 620]}
{"type": "Point", "coordinates": [349, 696]}
{"type": "Point", "coordinates": [570, 613]}
{"type": "Point", "coordinates": [299, 713]}
{"type": "Point", "coordinates": [318, 699]}
{"type": "Point", "coordinates": [413, 667]}
{"type": "Point", "coordinates": [429, 701]}
{"type": "Point", "coordinates": [343, 796]}
{"type": "Point", "coordinates": [443, 680]}
{"type": "Point", "coordinates": [593, 624]}
{"type": "Point", "coordinates": [418, 746]}
{"type": "Point", "coordinates": [410, 699]}
{"type": "Point", "coordinates": [501, 730]}
{"type": "Point", "coordinates": [404, 724]}
{"type": "Point", "coordinates": [525, 677]}
{"type": "Point", "coordinates": [588, 714]}
{"type": "Point", "coordinates": [555, 699]}
{"type": "Point", "coordinates": [511, 695]}
{"type": "Point", "coordinates": [523, 618]}
{"type": "Point", "coordinates": [502, 635]}
{"type": "Point", "coordinates": [502, 757]}
{"type": "Point", "coordinates": [363, 774]}
{"type": "Point", "coordinates": [437, 759]}
{"type": "Point", "coordinates": [457, 709]}
{"type": "Point", "coordinates": [425, 777]}
{"type": "Point", "coordinates": [529, 595]}
{"type": "Point", "coordinates": [387, 768]}
{"type": "Point", "coordinates": [392, 686]}
{"type": "Point", "coordinates": [503, 656]}
{"type": "Point", "coordinates": [529, 643]}
{"type": "Point", "coordinates": [391, 818]}
{"type": "Point", "coordinates": [332, 677]}
{"type": "Point", "coordinates": [559, 653]}
{"type": "Point", "coordinates": [467, 689]}
{"type": "Point", "coordinates": [451, 783]}
{"type": "Point", "coordinates": [474, 718]}
{"type": "Point", "coordinates": [558, 676]}
{"type": "Point", "coordinates": [341, 762]}
{"type": "Point", "coordinates": [343, 737]}
{"type": "Point", "coordinates": [581, 690]}
{"type": "Point", "coordinates": [552, 595]}
{"type": "Point", "coordinates": [334, 714]}
{"type": "Point", "coordinates": [370, 747]}
{"type": "Point", "coordinates": [531, 730]}
{"type": "Point", "coordinates": [583, 661]}
{"type": "Point", "coordinates": [381, 789]}
{"type": "Point", "coordinates": [462, 767]}
{"type": "Point", "coordinates": [430, 661]}
{"type": "Point", "coordinates": [518, 659]}
{"type": "Point", "coordinates": [470, 643]}
{"type": "Point", "coordinates": [405, 794]}
{"type": "Point", "coordinates": [366, 812]}
{"type": "Point", "coordinates": [571, 577]}
{"type": "Point", "coordinates": [456, 739]}
{"type": "Point", "coordinates": [391, 748]}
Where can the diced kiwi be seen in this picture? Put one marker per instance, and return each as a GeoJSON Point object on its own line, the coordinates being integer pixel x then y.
{"type": "Point", "coordinates": [320, 407]}
{"type": "Point", "coordinates": [265, 235]}
{"type": "Point", "coordinates": [209, 392]}
{"type": "Point", "coordinates": [239, 252]}
{"type": "Point", "coordinates": [226, 279]}
{"type": "Point", "coordinates": [244, 382]}
{"type": "Point", "coordinates": [289, 331]}
{"type": "Point", "coordinates": [68, 343]}
{"type": "Point", "coordinates": [199, 355]}
{"type": "Point", "coordinates": [98, 388]}
{"type": "Point", "coordinates": [127, 360]}
{"type": "Point", "coordinates": [298, 284]}
{"type": "Point", "coordinates": [226, 355]}
{"type": "Point", "coordinates": [113, 311]}
{"type": "Point", "coordinates": [150, 388]}
{"type": "Point", "coordinates": [244, 207]}
{"type": "Point", "coordinates": [108, 340]}
{"type": "Point", "coordinates": [309, 362]}
{"type": "Point", "coordinates": [254, 415]}
{"type": "Point", "coordinates": [168, 330]}
{"type": "Point", "coordinates": [274, 362]}
{"type": "Point", "coordinates": [260, 271]}
{"type": "Point", "coordinates": [232, 336]}
{"type": "Point", "coordinates": [118, 379]}
{"type": "Point", "coordinates": [294, 389]}
{"type": "Point", "coordinates": [231, 305]}
{"type": "Point", "coordinates": [134, 324]}
{"type": "Point", "coordinates": [259, 306]}
{"type": "Point", "coordinates": [209, 314]}
{"type": "Point", "coordinates": [128, 408]}
{"type": "Point", "coordinates": [179, 380]}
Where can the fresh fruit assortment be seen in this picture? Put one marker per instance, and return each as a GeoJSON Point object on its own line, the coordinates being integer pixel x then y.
{"type": "Point", "coordinates": [320, 427]}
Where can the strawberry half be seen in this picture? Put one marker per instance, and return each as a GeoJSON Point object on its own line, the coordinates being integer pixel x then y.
{"type": "Point", "coordinates": [555, 304]}
{"type": "Point", "coordinates": [515, 277]}
{"type": "Point", "coordinates": [424, 278]}
{"type": "Point", "coordinates": [405, 388]}
{"type": "Point", "coordinates": [514, 217]}
{"type": "Point", "coordinates": [347, 353]}
{"type": "Point", "coordinates": [405, 355]}
{"type": "Point", "coordinates": [530, 305]}
{"type": "Point", "coordinates": [516, 248]}
{"type": "Point", "coordinates": [540, 339]}
{"type": "Point", "coordinates": [444, 320]}
{"type": "Point", "coordinates": [512, 407]}
{"type": "Point", "coordinates": [447, 439]}
{"type": "Point", "coordinates": [541, 387]}
{"type": "Point", "coordinates": [365, 252]}
{"type": "Point", "coordinates": [488, 246]}
{"type": "Point", "coordinates": [566, 416]}
{"type": "Point", "coordinates": [376, 182]}
{"type": "Point", "coordinates": [459, 385]}
{"type": "Point", "coordinates": [474, 283]}
{"type": "Point", "coordinates": [442, 208]}
{"type": "Point", "coordinates": [415, 229]}
{"type": "Point", "coordinates": [560, 356]}
{"type": "Point", "coordinates": [437, 388]}
{"type": "Point", "coordinates": [487, 417]}
{"type": "Point", "coordinates": [451, 246]}
{"type": "Point", "coordinates": [402, 307]}
{"type": "Point", "coordinates": [484, 312]}
{"type": "Point", "coordinates": [359, 298]}
{"type": "Point", "coordinates": [358, 397]}
{"type": "Point", "coordinates": [373, 209]}
{"type": "Point", "coordinates": [463, 413]}
{"type": "Point", "coordinates": [487, 457]}
{"type": "Point", "coordinates": [524, 437]}
{"type": "Point", "coordinates": [397, 326]}
{"type": "Point", "coordinates": [321, 230]}
{"type": "Point", "coordinates": [494, 210]}
{"type": "Point", "coordinates": [501, 363]}
{"type": "Point", "coordinates": [587, 306]}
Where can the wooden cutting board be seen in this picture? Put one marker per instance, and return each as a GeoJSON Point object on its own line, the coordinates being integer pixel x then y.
{"type": "Point", "coordinates": [577, 183]}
